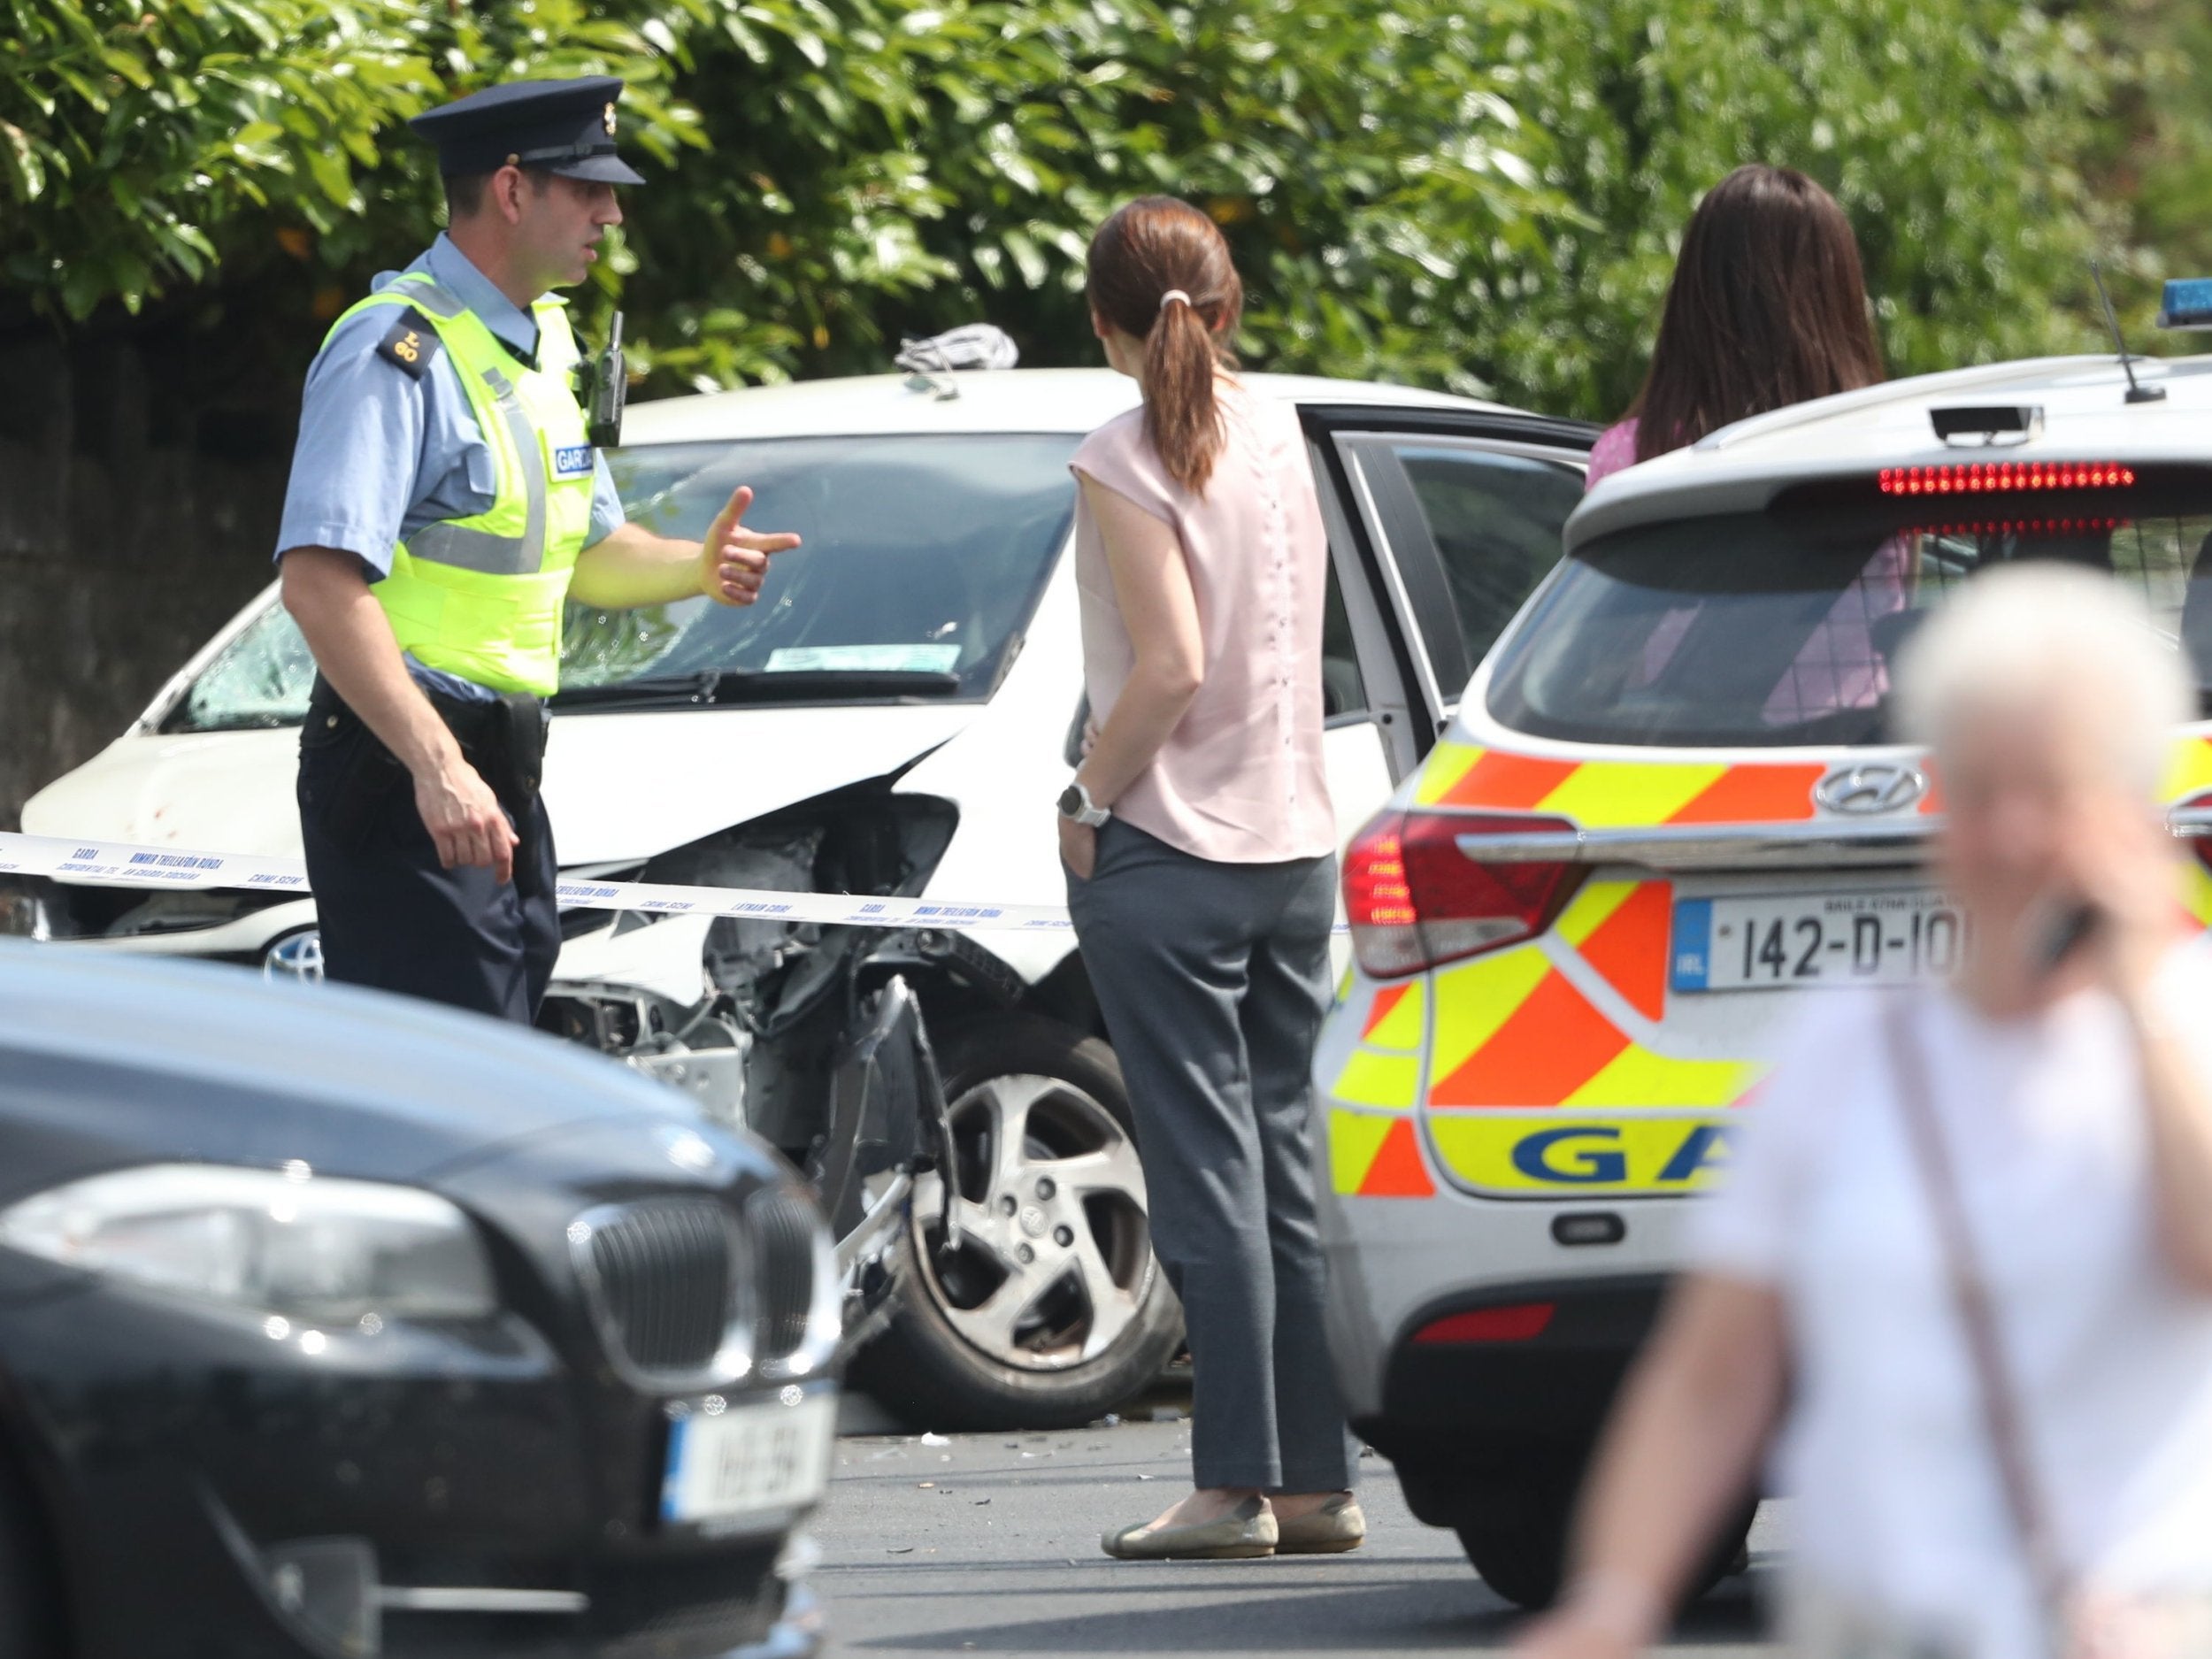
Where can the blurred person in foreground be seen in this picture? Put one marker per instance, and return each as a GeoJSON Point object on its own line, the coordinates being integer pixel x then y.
{"type": "Point", "coordinates": [1200, 845]}
{"type": "Point", "coordinates": [1952, 1500]}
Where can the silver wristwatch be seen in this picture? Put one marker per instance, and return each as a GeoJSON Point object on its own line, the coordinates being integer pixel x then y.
{"type": "Point", "coordinates": [1076, 803]}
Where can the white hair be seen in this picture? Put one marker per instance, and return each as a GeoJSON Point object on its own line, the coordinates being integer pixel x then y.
{"type": "Point", "coordinates": [2021, 635]}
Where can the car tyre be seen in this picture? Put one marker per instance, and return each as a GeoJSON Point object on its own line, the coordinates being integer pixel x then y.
{"type": "Point", "coordinates": [980, 1338]}
{"type": "Point", "coordinates": [1519, 1547]}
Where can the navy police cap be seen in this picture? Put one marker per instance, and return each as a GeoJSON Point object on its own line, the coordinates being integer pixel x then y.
{"type": "Point", "coordinates": [563, 126]}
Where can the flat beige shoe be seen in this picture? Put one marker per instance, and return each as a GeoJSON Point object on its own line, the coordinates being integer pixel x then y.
{"type": "Point", "coordinates": [1247, 1531]}
{"type": "Point", "coordinates": [1331, 1530]}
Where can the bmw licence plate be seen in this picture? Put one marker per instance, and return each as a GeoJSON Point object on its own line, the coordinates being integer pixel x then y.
{"type": "Point", "coordinates": [1791, 941]}
{"type": "Point", "coordinates": [748, 1460]}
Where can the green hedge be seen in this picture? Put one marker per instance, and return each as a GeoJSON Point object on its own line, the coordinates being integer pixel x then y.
{"type": "Point", "coordinates": [1476, 193]}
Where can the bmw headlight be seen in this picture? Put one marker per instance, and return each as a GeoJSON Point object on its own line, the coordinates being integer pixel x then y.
{"type": "Point", "coordinates": [280, 1243]}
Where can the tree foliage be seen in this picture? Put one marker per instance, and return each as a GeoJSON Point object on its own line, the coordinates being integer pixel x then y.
{"type": "Point", "coordinates": [913, 164]}
{"type": "Point", "coordinates": [1480, 195]}
{"type": "Point", "coordinates": [1953, 132]}
{"type": "Point", "coordinates": [131, 136]}
{"type": "Point", "coordinates": [2156, 157]}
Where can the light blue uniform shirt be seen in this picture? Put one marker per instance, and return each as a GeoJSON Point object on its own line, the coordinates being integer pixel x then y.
{"type": "Point", "coordinates": [382, 454]}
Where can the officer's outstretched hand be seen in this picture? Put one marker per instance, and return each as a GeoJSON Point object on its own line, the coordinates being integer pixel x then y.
{"type": "Point", "coordinates": [465, 819]}
{"type": "Point", "coordinates": [733, 560]}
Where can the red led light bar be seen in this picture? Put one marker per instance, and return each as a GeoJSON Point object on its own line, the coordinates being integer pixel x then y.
{"type": "Point", "coordinates": [1978, 478]}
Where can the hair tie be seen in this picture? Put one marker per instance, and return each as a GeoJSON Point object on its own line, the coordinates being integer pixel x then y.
{"type": "Point", "coordinates": [1173, 293]}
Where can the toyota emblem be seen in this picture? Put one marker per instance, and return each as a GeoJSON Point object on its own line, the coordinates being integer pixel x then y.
{"type": "Point", "coordinates": [296, 957]}
{"type": "Point", "coordinates": [1877, 786]}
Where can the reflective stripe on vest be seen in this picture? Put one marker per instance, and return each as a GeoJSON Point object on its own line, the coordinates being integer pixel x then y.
{"type": "Point", "coordinates": [482, 596]}
{"type": "Point", "coordinates": [453, 541]}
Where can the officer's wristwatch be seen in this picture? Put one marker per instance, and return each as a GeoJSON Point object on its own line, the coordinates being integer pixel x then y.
{"type": "Point", "coordinates": [1076, 803]}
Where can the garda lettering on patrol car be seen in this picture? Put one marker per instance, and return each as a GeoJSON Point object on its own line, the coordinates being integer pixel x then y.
{"type": "Point", "coordinates": [572, 460]}
{"type": "Point", "coordinates": [1545, 1153]}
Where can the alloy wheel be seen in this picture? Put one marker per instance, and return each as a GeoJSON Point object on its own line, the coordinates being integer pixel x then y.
{"type": "Point", "coordinates": [1052, 1256]}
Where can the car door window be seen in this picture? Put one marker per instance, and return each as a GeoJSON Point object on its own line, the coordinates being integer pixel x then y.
{"type": "Point", "coordinates": [1471, 528]}
{"type": "Point", "coordinates": [1343, 689]}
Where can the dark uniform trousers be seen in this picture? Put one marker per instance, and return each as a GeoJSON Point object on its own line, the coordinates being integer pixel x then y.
{"type": "Point", "coordinates": [392, 916]}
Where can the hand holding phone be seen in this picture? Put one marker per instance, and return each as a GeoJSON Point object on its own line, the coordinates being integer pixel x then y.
{"type": "Point", "coordinates": [2067, 926]}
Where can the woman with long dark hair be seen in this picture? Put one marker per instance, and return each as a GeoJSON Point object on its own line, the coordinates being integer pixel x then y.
{"type": "Point", "coordinates": [1767, 308]}
{"type": "Point", "coordinates": [1199, 842]}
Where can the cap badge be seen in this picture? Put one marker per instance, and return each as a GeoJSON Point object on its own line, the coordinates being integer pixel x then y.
{"type": "Point", "coordinates": [606, 119]}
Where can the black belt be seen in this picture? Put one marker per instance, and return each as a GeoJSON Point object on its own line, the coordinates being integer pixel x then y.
{"type": "Point", "coordinates": [502, 736]}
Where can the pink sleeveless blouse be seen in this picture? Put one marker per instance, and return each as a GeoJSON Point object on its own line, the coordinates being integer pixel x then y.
{"type": "Point", "coordinates": [1240, 780]}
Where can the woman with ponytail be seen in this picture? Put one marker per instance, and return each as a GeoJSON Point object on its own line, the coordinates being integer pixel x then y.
{"type": "Point", "coordinates": [1199, 842]}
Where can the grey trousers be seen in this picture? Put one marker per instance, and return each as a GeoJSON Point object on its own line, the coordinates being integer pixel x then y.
{"type": "Point", "coordinates": [1213, 978]}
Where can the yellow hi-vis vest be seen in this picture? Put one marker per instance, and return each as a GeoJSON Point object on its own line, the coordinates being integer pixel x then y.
{"type": "Point", "coordinates": [482, 596]}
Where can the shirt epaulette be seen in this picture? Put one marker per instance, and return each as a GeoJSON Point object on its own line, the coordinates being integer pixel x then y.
{"type": "Point", "coordinates": [411, 344]}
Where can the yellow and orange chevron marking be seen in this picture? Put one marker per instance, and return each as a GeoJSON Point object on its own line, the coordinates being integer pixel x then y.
{"type": "Point", "coordinates": [1618, 794]}
{"type": "Point", "coordinates": [1512, 1031]}
{"type": "Point", "coordinates": [1622, 928]}
{"type": "Point", "coordinates": [1384, 1070]}
{"type": "Point", "coordinates": [1519, 1056]}
{"type": "Point", "coordinates": [1375, 1154]}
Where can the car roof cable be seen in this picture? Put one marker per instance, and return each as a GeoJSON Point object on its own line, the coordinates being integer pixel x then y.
{"type": "Point", "coordinates": [2138, 393]}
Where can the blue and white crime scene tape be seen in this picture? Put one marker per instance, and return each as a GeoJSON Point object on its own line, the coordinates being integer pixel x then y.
{"type": "Point", "coordinates": [115, 863]}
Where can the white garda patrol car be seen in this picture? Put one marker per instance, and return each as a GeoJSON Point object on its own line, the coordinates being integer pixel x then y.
{"type": "Point", "coordinates": [894, 717]}
{"type": "Point", "coordinates": [1669, 805]}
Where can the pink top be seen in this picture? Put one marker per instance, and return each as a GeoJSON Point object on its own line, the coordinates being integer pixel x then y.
{"type": "Point", "coordinates": [1240, 780]}
{"type": "Point", "coordinates": [1614, 450]}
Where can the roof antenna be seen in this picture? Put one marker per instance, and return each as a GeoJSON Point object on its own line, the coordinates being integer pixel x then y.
{"type": "Point", "coordinates": [2138, 393]}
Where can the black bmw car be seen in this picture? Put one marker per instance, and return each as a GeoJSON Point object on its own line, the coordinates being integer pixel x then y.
{"type": "Point", "coordinates": [336, 1325]}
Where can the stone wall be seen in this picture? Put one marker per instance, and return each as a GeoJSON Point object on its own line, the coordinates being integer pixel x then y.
{"type": "Point", "coordinates": [140, 479]}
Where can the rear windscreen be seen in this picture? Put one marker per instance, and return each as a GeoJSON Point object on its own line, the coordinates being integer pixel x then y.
{"type": "Point", "coordinates": [1780, 627]}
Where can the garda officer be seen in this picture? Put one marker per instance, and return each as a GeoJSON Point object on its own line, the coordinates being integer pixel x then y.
{"type": "Point", "coordinates": [445, 501]}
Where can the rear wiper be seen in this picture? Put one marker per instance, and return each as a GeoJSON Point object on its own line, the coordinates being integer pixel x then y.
{"type": "Point", "coordinates": [731, 686]}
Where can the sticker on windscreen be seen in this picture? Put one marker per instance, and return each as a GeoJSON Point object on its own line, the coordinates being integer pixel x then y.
{"type": "Point", "coordinates": [866, 659]}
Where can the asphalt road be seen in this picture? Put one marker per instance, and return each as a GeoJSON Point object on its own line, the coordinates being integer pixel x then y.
{"type": "Point", "coordinates": [988, 1544]}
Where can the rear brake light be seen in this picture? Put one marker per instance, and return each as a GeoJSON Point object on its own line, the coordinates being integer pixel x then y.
{"type": "Point", "coordinates": [1516, 1323]}
{"type": "Point", "coordinates": [1415, 896]}
{"type": "Point", "coordinates": [1978, 478]}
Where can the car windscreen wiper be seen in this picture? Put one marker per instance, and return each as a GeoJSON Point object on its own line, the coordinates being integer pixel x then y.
{"type": "Point", "coordinates": [727, 687]}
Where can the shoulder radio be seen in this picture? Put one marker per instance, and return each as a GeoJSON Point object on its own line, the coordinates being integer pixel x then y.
{"type": "Point", "coordinates": [602, 387]}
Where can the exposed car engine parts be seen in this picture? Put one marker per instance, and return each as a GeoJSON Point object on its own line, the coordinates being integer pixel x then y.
{"type": "Point", "coordinates": [811, 1036]}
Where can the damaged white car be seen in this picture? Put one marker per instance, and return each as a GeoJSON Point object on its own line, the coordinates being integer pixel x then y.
{"type": "Point", "coordinates": [894, 717]}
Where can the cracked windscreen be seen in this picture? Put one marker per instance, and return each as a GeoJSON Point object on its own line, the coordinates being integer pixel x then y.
{"type": "Point", "coordinates": [923, 560]}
